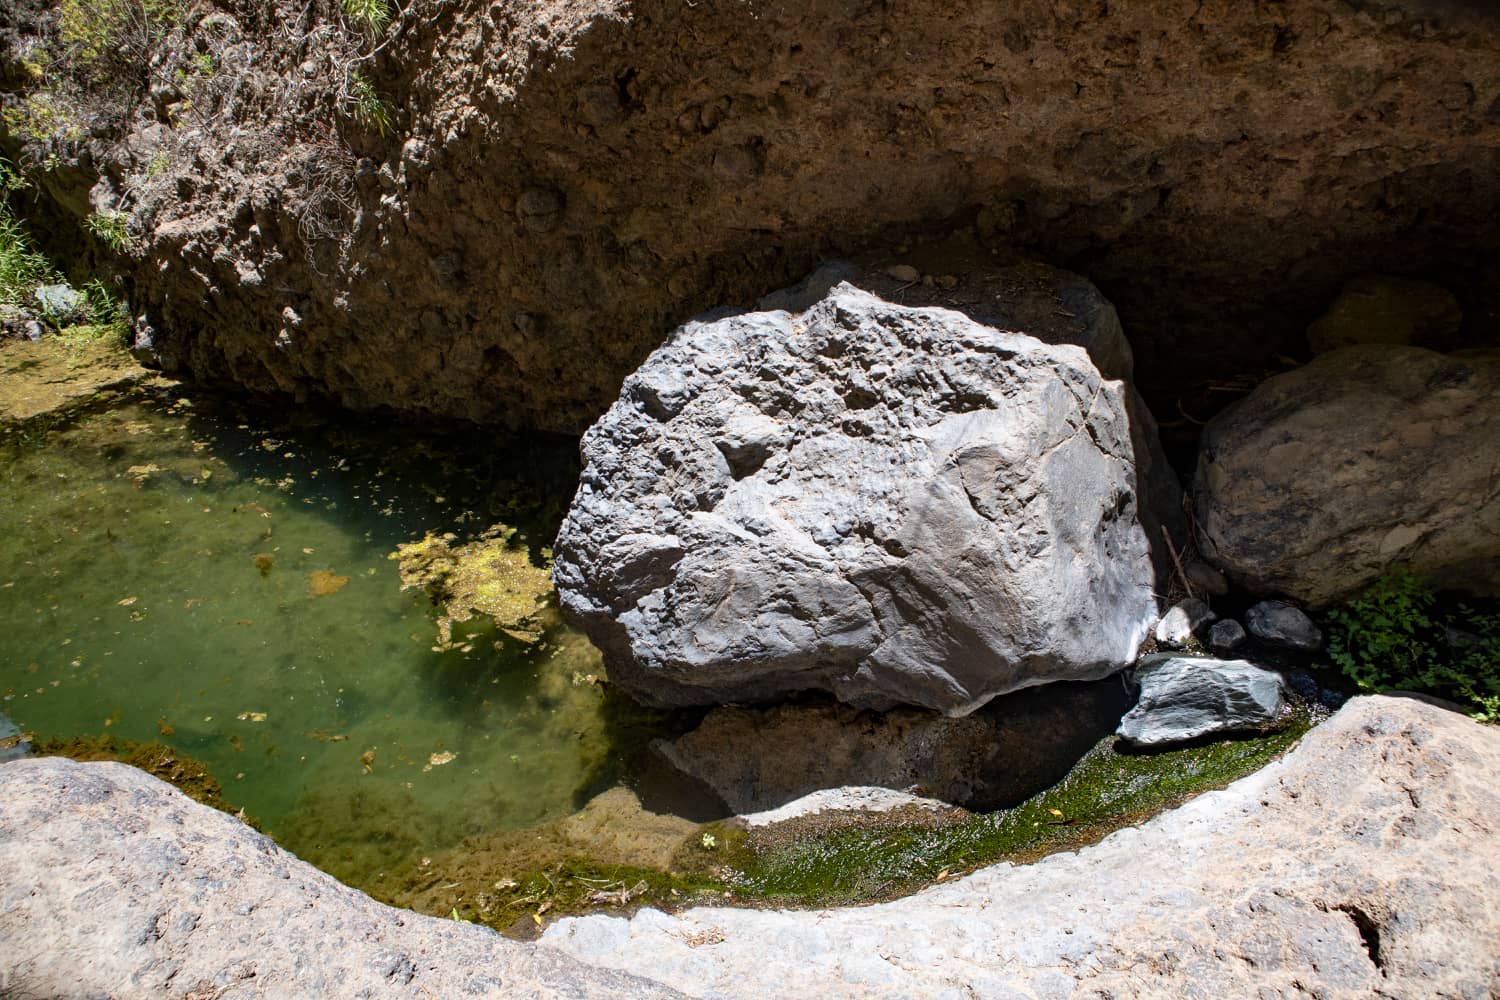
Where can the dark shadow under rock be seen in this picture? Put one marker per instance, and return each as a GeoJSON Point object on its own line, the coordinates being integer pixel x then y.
{"type": "Point", "coordinates": [760, 758]}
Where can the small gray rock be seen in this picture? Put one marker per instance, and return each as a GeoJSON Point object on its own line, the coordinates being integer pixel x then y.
{"type": "Point", "coordinates": [62, 304]}
{"type": "Point", "coordinates": [1283, 625]}
{"type": "Point", "coordinates": [1184, 697]}
{"type": "Point", "coordinates": [1178, 626]}
{"type": "Point", "coordinates": [1226, 635]}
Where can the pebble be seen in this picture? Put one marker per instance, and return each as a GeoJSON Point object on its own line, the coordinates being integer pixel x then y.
{"type": "Point", "coordinates": [904, 272]}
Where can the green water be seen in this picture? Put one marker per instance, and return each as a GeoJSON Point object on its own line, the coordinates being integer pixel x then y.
{"type": "Point", "coordinates": [157, 582]}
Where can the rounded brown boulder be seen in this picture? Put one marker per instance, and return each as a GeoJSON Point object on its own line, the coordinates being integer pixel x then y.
{"type": "Point", "coordinates": [1367, 458]}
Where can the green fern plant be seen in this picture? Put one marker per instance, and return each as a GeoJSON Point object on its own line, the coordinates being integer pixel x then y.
{"type": "Point", "coordinates": [1396, 636]}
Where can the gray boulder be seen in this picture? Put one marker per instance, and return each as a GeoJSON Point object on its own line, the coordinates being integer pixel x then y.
{"type": "Point", "coordinates": [1185, 697]}
{"type": "Point", "coordinates": [896, 505]}
{"type": "Point", "coordinates": [1283, 625]}
{"type": "Point", "coordinates": [1325, 477]}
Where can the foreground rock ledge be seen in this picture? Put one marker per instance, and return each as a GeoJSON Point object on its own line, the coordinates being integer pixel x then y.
{"type": "Point", "coordinates": [1354, 867]}
{"type": "Point", "coordinates": [113, 883]}
{"type": "Point", "coordinates": [1357, 866]}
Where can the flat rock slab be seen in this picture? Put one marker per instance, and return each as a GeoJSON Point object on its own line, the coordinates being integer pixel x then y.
{"type": "Point", "coordinates": [1357, 866]}
{"type": "Point", "coordinates": [897, 505]}
{"type": "Point", "coordinates": [113, 883]}
{"type": "Point", "coordinates": [1186, 697]}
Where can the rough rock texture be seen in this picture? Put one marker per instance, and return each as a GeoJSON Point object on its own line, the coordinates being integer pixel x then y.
{"type": "Point", "coordinates": [1183, 621]}
{"type": "Point", "coordinates": [1012, 748]}
{"type": "Point", "coordinates": [564, 180]}
{"type": "Point", "coordinates": [113, 883]}
{"type": "Point", "coordinates": [1226, 635]}
{"type": "Point", "coordinates": [1326, 476]}
{"type": "Point", "coordinates": [1353, 868]}
{"type": "Point", "coordinates": [1283, 625]}
{"type": "Point", "coordinates": [1378, 309]}
{"type": "Point", "coordinates": [1185, 697]}
{"type": "Point", "coordinates": [897, 505]}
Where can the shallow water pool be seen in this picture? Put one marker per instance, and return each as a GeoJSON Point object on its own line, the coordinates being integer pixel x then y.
{"type": "Point", "coordinates": [216, 576]}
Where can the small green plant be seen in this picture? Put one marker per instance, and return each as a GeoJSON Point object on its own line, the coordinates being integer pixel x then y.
{"type": "Point", "coordinates": [22, 266]}
{"type": "Point", "coordinates": [104, 37]}
{"type": "Point", "coordinates": [160, 161]}
{"type": "Point", "coordinates": [370, 109]}
{"type": "Point", "coordinates": [1397, 636]}
{"type": "Point", "coordinates": [112, 228]}
{"type": "Point", "coordinates": [369, 15]}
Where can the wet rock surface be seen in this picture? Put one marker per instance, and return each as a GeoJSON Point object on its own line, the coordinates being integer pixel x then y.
{"type": "Point", "coordinates": [761, 759]}
{"type": "Point", "coordinates": [1188, 697]}
{"type": "Point", "coordinates": [1327, 476]}
{"type": "Point", "coordinates": [1347, 869]}
{"type": "Point", "coordinates": [112, 883]}
{"type": "Point", "coordinates": [896, 505]}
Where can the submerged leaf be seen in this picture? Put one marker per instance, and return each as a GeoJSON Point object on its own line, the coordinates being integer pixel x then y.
{"type": "Point", "coordinates": [325, 581]}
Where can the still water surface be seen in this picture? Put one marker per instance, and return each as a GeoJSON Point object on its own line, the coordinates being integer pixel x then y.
{"type": "Point", "coordinates": [216, 577]}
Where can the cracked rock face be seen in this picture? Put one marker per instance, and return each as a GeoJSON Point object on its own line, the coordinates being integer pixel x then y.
{"type": "Point", "coordinates": [896, 505]}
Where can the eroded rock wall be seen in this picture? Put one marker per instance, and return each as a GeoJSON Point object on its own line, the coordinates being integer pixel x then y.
{"type": "Point", "coordinates": [565, 181]}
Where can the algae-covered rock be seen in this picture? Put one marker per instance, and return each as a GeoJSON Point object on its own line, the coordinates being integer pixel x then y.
{"type": "Point", "coordinates": [494, 575]}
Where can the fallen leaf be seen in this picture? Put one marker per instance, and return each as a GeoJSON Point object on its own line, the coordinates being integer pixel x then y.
{"type": "Point", "coordinates": [1055, 812]}
{"type": "Point", "coordinates": [439, 759]}
{"type": "Point", "coordinates": [193, 602]}
{"type": "Point", "coordinates": [367, 760]}
{"type": "Point", "coordinates": [251, 716]}
{"type": "Point", "coordinates": [164, 727]}
{"type": "Point", "coordinates": [325, 582]}
{"type": "Point", "coordinates": [126, 602]}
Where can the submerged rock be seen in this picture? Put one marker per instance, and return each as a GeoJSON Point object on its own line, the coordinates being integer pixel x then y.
{"type": "Point", "coordinates": [1185, 697]}
{"type": "Point", "coordinates": [1325, 477]}
{"type": "Point", "coordinates": [897, 505]}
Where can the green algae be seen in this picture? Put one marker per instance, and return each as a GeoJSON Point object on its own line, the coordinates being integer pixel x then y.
{"type": "Point", "coordinates": [495, 575]}
{"type": "Point", "coordinates": [1105, 791]}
